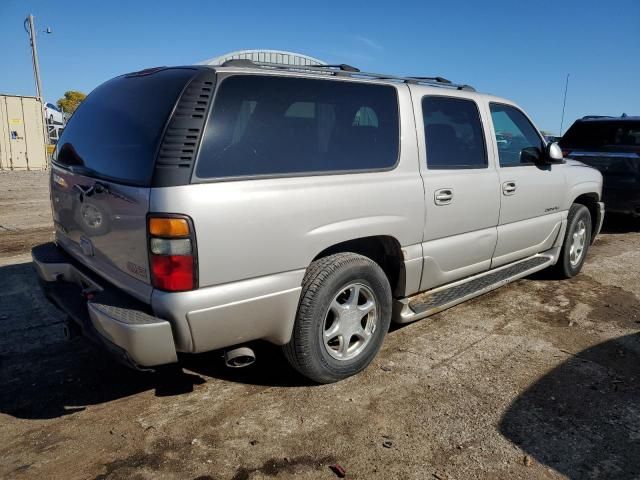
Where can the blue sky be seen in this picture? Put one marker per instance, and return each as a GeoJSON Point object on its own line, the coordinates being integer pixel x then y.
{"type": "Point", "coordinates": [518, 50]}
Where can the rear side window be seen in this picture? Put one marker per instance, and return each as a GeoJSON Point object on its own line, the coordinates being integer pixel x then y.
{"type": "Point", "coordinates": [115, 132]}
{"type": "Point", "coordinates": [453, 133]}
{"type": "Point", "coordinates": [268, 125]}
{"type": "Point", "coordinates": [602, 134]}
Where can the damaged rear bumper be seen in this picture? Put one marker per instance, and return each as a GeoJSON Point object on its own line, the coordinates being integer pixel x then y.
{"type": "Point", "coordinates": [121, 324]}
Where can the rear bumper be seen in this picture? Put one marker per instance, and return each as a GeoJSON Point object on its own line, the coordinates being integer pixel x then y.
{"type": "Point", "coordinates": [106, 315]}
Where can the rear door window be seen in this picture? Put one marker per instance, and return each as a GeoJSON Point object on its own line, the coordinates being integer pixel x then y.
{"type": "Point", "coordinates": [115, 132]}
{"type": "Point", "coordinates": [453, 133]}
{"type": "Point", "coordinates": [270, 125]}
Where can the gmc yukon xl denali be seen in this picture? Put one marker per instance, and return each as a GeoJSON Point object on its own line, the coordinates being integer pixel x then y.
{"type": "Point", "coordinates": [200, 208]}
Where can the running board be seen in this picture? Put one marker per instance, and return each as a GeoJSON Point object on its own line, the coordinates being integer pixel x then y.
{"type": "Point", "coordinates": [433, 301]}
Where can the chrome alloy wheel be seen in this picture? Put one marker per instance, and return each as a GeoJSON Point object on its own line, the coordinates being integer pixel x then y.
{"type": "Point", "coordinates": [350, 322]}
{"type": "Point", "coordinates": [578, 240]}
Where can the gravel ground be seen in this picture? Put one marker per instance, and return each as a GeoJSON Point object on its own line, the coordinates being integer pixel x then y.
{"type": "Point", "coordinates": [536, 380]}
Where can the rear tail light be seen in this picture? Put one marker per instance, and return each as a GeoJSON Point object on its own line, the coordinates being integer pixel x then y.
{"type": "Point", "coordinates": [566, 152]}
{"type": "Point", "coordinates": [172, 254]}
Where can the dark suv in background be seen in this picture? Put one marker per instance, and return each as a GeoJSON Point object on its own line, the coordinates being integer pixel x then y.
{"type": "Point", "coordinates": [612, 145]}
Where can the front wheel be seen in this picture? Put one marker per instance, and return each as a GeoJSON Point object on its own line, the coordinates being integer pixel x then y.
{"type": "Point", "coordinates": [343, 316]}
{"type": "Point", "coordinates": [576, 242]}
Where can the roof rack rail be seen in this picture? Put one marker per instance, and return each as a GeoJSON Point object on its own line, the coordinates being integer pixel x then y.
{"type": "Point", "coordinates": [436, 79]}
{"type": "Point", "coordinates": [245, 62]}
{"type": "Point", "coordinates": [348, 70]}
{"type": "Point", "coordinates": [343, 66]}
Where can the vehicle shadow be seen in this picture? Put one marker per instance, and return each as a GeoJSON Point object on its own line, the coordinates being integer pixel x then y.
{"type": "Point", "coordinates": [271, 368]}
{"type": "Point", "coordinates": [42, 375]}
{"type": "Point", "coordinates": [583, 418]}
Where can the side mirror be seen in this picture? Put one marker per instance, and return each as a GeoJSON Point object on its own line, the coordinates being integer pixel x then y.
{"type": "Point", "coordinates": [531, 155]}
{"type": "Point", "coordinates": [554, 153]}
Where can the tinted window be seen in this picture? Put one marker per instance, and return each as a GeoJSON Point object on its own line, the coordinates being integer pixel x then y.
{"type": "Point", "coordinates": [263, 125]}
{"type": "Point", "coordinates": [453, 133]}
{"type": "Point", "coordinates": [602, 134]}
{"type": "Point", "coordinates": [518, 141]}
{"type": "Point", "coordinates": [115, 132]}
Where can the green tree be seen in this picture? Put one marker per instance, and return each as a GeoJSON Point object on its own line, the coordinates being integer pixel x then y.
{"type": "Point", "coordinates": [70, 101]}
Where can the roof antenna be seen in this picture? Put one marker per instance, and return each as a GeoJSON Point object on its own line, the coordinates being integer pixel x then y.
{"type": "Point", "coordinates": [564, 102]}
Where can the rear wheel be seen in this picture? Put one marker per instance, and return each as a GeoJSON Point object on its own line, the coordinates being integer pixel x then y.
{"type": "Point", "coordinates": [343, 316]}
{"type": "Point", "coordinates": [576, 241]}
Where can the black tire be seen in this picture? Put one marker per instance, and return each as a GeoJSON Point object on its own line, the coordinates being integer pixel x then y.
{"type": "Point", "coordinates": [565, 268]}
{"type": "Point", "coordinates": [326, 278]}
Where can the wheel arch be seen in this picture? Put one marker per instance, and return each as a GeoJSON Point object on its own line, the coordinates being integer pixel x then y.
{"type": "Point", "coordinates": [590, 200]}
{"type": "Point", "coordinates": [385, 250]}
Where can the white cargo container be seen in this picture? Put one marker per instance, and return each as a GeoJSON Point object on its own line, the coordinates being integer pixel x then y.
{"type": "Point", "coordinates": [22, 136]}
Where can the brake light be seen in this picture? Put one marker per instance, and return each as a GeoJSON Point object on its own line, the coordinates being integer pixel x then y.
{"type": "Point", "coordinates": [566, 152]}
{"type": "Point", "coordinates": [172, 254]}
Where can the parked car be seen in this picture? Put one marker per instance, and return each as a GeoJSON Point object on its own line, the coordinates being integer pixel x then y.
{"type": "Point", "coordinates": [200, 208]}
{"type": "Point", "coordinates": [612, 145]}
{"type": "Point", "coordinates": [53, 114]}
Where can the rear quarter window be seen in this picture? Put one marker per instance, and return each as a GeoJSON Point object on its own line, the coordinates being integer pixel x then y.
{"type": "Point", "coordinates": [116, 130]}
{"type": "Point", "coordinates": [270, 126]}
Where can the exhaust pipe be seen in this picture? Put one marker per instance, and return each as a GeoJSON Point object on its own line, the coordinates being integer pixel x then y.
{"type": "Point", "coordinates": [239, 357]}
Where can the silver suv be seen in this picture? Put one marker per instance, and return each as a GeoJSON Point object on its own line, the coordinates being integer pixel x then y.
{"type": "Point", "coordinates": [201, 208]}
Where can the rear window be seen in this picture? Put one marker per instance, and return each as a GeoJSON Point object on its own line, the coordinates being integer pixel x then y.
{"type": "Point", "coordinates": [602, 134]}
{"type": "Point", "coordinates": [263, 125]}
{"type": "Point", "coordinates": [115, 132]}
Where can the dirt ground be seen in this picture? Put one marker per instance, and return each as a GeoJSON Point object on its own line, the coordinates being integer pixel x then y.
{"type": "Point", "coordinates": [537, 380]}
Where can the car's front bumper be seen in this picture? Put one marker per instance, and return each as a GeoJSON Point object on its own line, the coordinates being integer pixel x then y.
{"type": "Point", "coordinates": [106, 315]}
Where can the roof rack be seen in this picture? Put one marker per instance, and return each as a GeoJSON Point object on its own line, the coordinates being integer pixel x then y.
{"type": "Point", "coordinates": [349, 71]}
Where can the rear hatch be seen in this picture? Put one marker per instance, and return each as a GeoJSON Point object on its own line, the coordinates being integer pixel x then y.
{"type": "Point", "coordinates": [102, 171]}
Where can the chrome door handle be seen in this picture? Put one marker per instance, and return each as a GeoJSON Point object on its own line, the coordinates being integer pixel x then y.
{"type": "Point", "coordinates": [509, 188]}
{"type": "Point", "coordinates": [443, 196]}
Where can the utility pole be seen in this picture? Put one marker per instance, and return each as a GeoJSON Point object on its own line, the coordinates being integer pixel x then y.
{"type": "Point", "coordinates": [31, 30]}
{"type": "Point", "coordinates": [34, 53]}
{"type": "Point", "coordinates": [564, 102]}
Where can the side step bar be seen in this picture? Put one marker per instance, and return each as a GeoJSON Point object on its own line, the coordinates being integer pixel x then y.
{"type": "Point", "coordinates": [433, 301]}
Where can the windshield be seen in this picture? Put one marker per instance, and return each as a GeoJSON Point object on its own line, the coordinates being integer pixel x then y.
{"type": "Point", "coordinates": [602, 135]}
{"type": "Point", "coordinates": [115, 132]}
